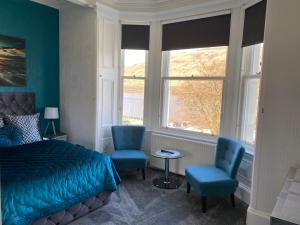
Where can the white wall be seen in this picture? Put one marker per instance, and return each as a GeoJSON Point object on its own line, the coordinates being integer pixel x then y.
{"type": "Point", "coordinates": [195, 152]}
{"type": "Point", "coordinates": [78, 67]}
{"type": "Point", "coordinates": [278, 142]}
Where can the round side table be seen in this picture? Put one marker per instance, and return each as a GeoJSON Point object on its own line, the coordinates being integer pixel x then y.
{"type": "Point", "coordinates": [167, 182]}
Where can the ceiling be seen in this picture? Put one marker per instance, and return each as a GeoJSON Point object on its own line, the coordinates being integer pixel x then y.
{"type": "Point", "coordinates": [140, 1]}
{"type": "Point", "coordinates": [154, 5]}
{"type": "Point", "coordinates": [136, 5]}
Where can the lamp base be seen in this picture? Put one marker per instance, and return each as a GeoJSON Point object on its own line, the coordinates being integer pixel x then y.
{"type": "Point", "coordinates": [53, 127]}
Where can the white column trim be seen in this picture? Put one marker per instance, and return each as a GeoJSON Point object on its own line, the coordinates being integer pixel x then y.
{"type": "Point", "coordinates": [257, 217]}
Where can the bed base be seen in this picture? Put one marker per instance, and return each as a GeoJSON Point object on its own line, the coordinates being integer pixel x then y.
{"type": "Point", "coordinates": [19, 103]}
{"type": "Point", "coordinates": [76, 211]}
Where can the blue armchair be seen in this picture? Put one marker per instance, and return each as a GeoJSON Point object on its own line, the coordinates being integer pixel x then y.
{"type": "Point", "coordinates": [220, 178]}
{"type": "Point", "coordinates": [128, 141]}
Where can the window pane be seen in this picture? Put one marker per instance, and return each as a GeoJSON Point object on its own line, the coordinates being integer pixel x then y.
{"type": "Point", "coordinates": [134, 63]}
{"type": "Point", "coordinates": [133, 102]}
{"type": "Point", "coordinates": [204, 62]}
{"type": "Point", "coordinates": [252, 59]}
{"type": "Point", "coordinates": [194, 105]}
{"type": "Point", "coordinates": [250, 110]}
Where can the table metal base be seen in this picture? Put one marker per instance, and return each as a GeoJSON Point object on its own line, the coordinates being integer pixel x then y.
{"type": "Point", "coordinates": [170, 183]}
{"type": "Point", "coordinates": [166, 182]}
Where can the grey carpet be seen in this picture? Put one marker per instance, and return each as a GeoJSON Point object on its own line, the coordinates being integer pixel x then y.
{"type": "Point", "coordinates": [139, 203]}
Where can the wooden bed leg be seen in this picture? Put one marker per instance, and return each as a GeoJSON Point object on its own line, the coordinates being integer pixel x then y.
{"type": "Point", "coordinates": [204, 204]}
{"type": "Point", "coordinates": [232, 200]}
{"type": "Point", "coordinates": [143, 172]}
{"type": "Point", "coordinates": [188, 188]}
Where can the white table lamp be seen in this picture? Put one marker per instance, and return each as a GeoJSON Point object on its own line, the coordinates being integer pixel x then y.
{"type": "Point", "coordinates": [51, 114]}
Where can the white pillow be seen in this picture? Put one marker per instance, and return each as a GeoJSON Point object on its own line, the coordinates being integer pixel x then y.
{"type": "Point", "coordinates": [29, 125]}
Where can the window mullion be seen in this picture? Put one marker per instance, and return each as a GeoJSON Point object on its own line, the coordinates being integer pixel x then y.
{"type": "Point", "coordinates": [165, 90]}
{"type": "Point", "coordinates": [121, 85]}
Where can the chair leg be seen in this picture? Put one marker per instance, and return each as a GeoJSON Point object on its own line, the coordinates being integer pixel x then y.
{"type": "Point", "coordinates": [143, 172]}
{"type": "Point", "coordinates": [232, 200]}
{"type": "Point", "coordinates": [204, 204]}
{"type": "Point", "coordinates": [188, 187]}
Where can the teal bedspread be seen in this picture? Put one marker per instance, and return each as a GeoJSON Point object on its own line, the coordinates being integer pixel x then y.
{"type": "Point", "coordinates": [45, 177]}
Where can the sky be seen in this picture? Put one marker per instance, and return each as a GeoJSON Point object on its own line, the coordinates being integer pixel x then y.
{"type": "Point", "coordinates": [134, 57]}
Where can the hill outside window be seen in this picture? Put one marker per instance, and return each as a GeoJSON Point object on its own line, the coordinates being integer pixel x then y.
{"type": "Point", "coordinates": [194, 56]}
{"type": "Point", "coordinates": [134, 61]}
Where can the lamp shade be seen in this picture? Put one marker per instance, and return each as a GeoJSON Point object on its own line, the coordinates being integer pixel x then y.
{"type": "Point", "coordinates": [51, 113]}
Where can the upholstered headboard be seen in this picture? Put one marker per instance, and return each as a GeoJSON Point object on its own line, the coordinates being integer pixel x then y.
{"type": "Point", "coordinates": [17, 103]}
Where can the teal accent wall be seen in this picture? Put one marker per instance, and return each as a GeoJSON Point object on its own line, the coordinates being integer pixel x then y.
{"type": "Point", "coordinates": [39, 26]}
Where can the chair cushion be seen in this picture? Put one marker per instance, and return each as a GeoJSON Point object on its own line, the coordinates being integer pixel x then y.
{"type": "Point", "coordinates": [209, 180]}
{"type": "Point", "coordinates": [129, 159]}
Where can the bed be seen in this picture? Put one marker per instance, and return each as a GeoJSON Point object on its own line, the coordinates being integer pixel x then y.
{"type": "Point", "coordinates": [50, 182]}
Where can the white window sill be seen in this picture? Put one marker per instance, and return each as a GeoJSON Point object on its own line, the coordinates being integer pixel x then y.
{"type": "Point", "coordinates": [250, 149]}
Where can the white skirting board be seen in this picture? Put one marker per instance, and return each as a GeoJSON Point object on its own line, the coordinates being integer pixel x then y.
{"type": "Point", "coordinates": [257, 217]}
{"type": "Point", "coordinates": [243, 193]}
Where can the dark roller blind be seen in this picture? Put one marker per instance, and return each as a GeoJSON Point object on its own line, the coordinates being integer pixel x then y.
{"type": "Point", "coordinates": [254, 25]}
{"type": "Point", "coordinates": [135, 37]}
{"type": "Point", "coordinates": [199, 33]}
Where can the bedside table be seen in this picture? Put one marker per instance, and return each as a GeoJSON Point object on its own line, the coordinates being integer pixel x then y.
{"type": "Point", "coordinates": [59, 136]}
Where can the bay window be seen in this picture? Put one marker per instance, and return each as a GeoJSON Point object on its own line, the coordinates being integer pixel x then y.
{"type": "Point", "coordinates": [194, 56]}
{"type": "Point", "coordinates": [253, 36]}
{"type": "Point", "coordinates": [195, 88]}
{"type": "Point", "coordinates": [134, 55]}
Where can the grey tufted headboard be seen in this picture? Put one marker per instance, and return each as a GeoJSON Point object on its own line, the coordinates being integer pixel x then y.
{"type": "Point", "coordinates": [17, 103]}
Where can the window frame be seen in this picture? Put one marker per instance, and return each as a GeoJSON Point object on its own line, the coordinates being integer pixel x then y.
{"type": "Point", "coordinates": [122, 78]}
{"type": "Point", "coordinates": [165, 62]}
{"type": "Point", "coordinates": [243, 107]}
{"type": "Point", "coordinates": [243, 101]}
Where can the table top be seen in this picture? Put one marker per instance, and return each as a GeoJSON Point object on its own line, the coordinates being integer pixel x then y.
{"type": "Point", "coordinates": [170, 154]}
